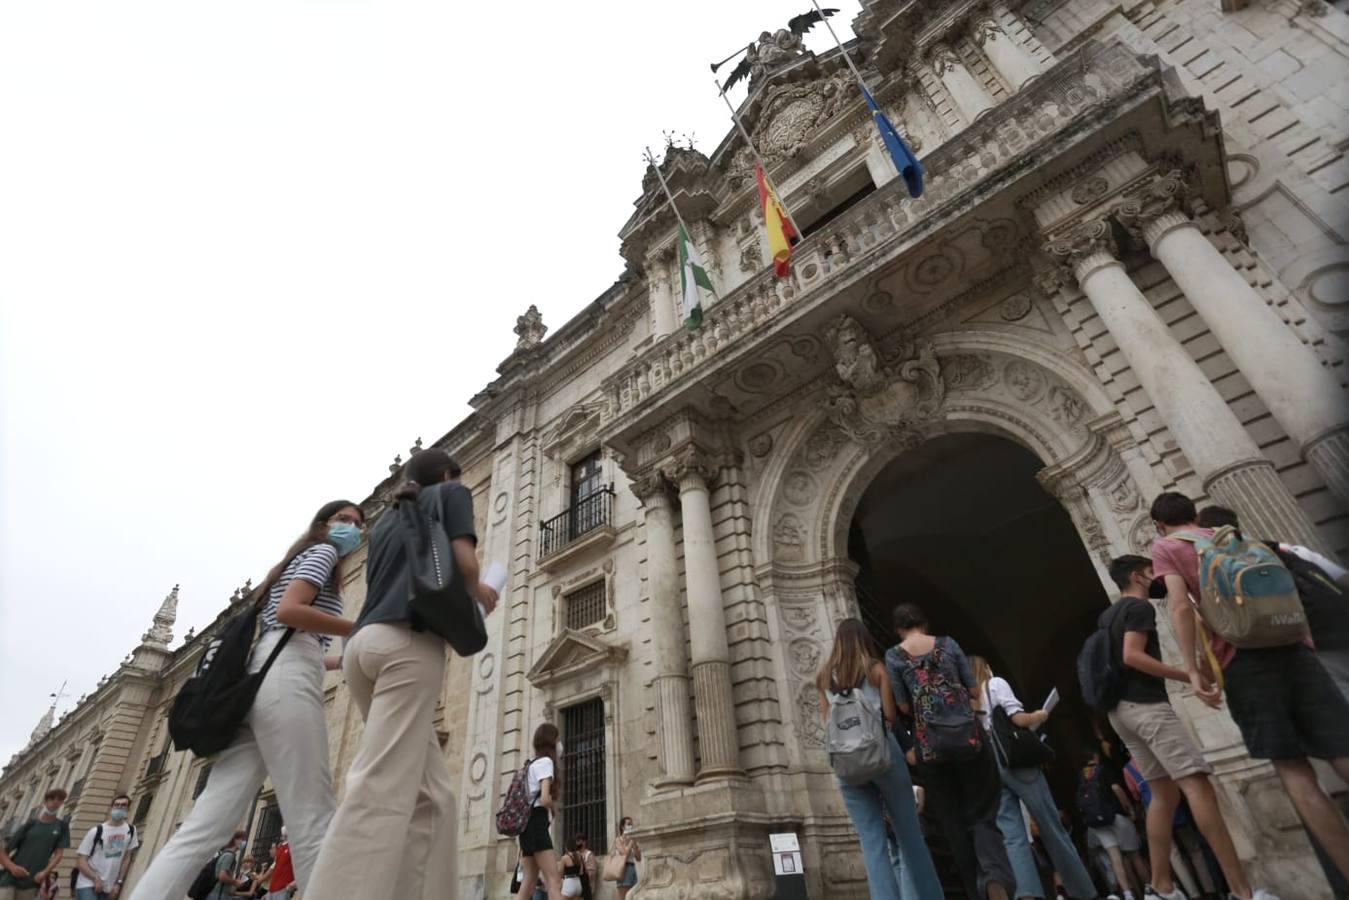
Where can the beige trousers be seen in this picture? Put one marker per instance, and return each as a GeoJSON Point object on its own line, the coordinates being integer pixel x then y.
{"type": "Point", "coordinates": [394, 833]}
{"type": "Point", "coordinates": [13, 893]}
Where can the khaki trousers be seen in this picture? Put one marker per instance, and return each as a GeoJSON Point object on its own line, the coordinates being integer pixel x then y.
{"type": "Point", "coordinates": [16, 893]}
{"type": "Point", "coordinates": [394, 834]}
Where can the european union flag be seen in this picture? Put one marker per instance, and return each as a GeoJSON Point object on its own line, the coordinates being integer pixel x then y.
{"type": "Point", "coordinates": [908, 165]}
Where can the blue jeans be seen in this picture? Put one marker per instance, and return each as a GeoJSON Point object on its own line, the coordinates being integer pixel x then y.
{"type": "Point", "coordinates": [1029, 786]}
{"type": "Point", "coordinates": [907, 889]}
{"type": "Point", "coordinates": [867, 805]}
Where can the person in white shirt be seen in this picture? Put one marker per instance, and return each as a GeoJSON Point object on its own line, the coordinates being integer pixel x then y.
{"type": "Point", "coordinates": [105, 854]}
{"type": "Point", "coordinates": [537, 856]}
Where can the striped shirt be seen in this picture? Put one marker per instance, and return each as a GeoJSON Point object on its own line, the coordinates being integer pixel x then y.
{"type": "Point", "coordinates": [318, 566]}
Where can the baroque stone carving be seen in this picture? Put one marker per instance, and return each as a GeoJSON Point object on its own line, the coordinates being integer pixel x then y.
{"type": "Point", "coordinates": [1089, 239]}
{"type": "Point", "coordinates": [872, 403]}
{"type": "Point", "coordinates": [1123, 496]}
{"type": "Point", "coordinates": [799, 618]}
{"type": "Point", "coordinates": [1015, 308]}
{"type": "Point", "coordinates": [804, 655]}
{"type": "Point", "coordinates": [761, 445]}
{"type": "Point", "coordinates": [530, 329]}
{"type": "Point", "coordinates": [1090, 190]}
{"type": "Point", "coordinates": [789, 531]}
{"type": "Point", "coordinates": [793, 112]}
{"type": "Point", "coordinates": [942, 59]}
{"type": "Point", "coordinates": [751, 256]}
{"type": "Point", "coordinates": [1141, 534]}
{"type": "Point", "coordinates": [1065, 406]}
{"type": "Point", "coordinates": [983, 28]}
{"type": "Point", "coordinates": [967, 372]}
{"type": "Point", "coordinates": [1025, 381]}
{"type": "Point", "coordinates": [1149, 203]}
{"type": "Point", "coordinates": [800, 488]}
{"type": "Point", "coordinates": [823, 445]}
{"type": "Point", "coordinates": [808, 716]}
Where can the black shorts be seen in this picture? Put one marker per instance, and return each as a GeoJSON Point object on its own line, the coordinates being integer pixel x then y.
{"type": "Point", "coordinates": [535, 838]}
{"type": "Point", "coordinates": [1286, 704]}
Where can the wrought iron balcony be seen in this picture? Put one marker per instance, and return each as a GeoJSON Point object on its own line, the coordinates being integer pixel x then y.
{"type": "Point", "coordinates": [588, 516]}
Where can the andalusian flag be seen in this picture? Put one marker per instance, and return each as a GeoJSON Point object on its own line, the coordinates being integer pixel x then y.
{"type": "Point", "coordinates": [692, 276]}
{"type": "Point", "coordinates": [781, 233]}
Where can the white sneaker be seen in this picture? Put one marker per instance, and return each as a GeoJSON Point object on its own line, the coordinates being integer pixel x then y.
{"type": "Point", "coordinates": [1176, 893]}
{"type": "Point", "coordinates": [1112, 897]}
{"type": "Point", "coordinates": [1260, 894]}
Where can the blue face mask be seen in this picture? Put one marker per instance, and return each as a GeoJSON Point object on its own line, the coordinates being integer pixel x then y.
{"type": "Point", "coordinates": [346, 536]}
{"type": "Point", "coordinates": [118, 814]}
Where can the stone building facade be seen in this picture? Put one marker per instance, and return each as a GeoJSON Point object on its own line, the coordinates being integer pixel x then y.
{"type": "Point", "coordinates": [1129, 272]}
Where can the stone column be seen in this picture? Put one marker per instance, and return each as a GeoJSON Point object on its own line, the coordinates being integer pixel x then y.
{"type": "Point", "coordinates": [717, 740]}
{"type": "Point", "coordinates": [662, 303]}
{"type": "Point", "coordinates": [1302, 395]}
{"type": "Point", "coordinates": [1012, 60]}
{"type": "Point", "coordinates": [967, 92]}
{"type": "Point", "coordinates": [1233, 470]}
{"type": "Point", "coordinates": [674, 738]}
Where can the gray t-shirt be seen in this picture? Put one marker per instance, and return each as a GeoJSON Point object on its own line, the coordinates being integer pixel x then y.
{"type": "Point", "coordinates": [388, 587]}
{"type": "Point", "coordinates": [225, 863]}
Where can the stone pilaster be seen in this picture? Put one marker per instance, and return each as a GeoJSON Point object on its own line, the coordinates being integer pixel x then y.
{"type": "Point", "coordinates": [966, 91]}
{"type": "Point", "coordinates": [668, 648]}
{"type": "Point", "coordinates": [662, 301]}
{"type": "Point", "coordinates": [710, 650]}
{"type": "Point", "coordinates": [1011, 60]}
{"type": "Point", "coordinates": [1213, 440]}
{"type": "Point", "coordinates": [1302, 395]}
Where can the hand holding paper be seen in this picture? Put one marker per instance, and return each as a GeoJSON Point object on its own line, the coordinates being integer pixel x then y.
{"type": "Point", "coordinates": [495, 578]}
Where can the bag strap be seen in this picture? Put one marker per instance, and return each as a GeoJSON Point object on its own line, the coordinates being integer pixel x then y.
{"type": "Point", "coordinates": [276, 651]}
{"type": "Point", "coordinates": [1206, 637]}
{"type": "Point", "coordinates": [98, 834]}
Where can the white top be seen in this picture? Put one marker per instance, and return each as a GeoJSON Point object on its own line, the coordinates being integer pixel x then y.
{"type": "Point", "coordinates": [106, 858]}
{"type": "Point", "coordinates": [539, 769]}
{"type": "Point", "coordinates": [999, 692]}
{"type": "Point", "coordinates": [1306, 554]}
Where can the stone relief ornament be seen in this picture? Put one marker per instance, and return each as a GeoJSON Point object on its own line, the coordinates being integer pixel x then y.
{"type": "Point", "coordinates": [967, 372]}
{"type": "Point", "coordinates": [800, 488]}
{"type": "Point", "coordinates": [808, 716]}
{"type": "Point", "coordinates": [942, 59]}
{"type": "Point", "coordinates": [793, 112]}
{"type": "Point", "coordinates": [1026, 382]}
{"type": "Point", "coordinates": [804, 655]}
{"type": "Point", "coordinates": [1141, 534]}
{"type": "Point", "coordinates": [530, 329]}
{"type": "Point", "coordinates": [789, 531]}
{"type": "Point", "coordinates": [984, 28]}
{"type": "Point", "coordinates": [872, 403]}
{"type": "Point", "coordinates": [799, 618]}
{"type": "Point", "coordinates": [1089, 191]}
{"type": "Point", "coordinates": [1015, 308]}
{"type": "Point", "coordinates": [1147, 204]}
{"type": "Point", "coordinates": [1123, 496]}
{"type": "Point", "coordinates": [751, 256]}
{"type": "Point", "coordinates": [1065, 406]}
{"type": "Point", "coordinates": [761, 445]}
{"type": "Point", "coordinates": [823, 445]}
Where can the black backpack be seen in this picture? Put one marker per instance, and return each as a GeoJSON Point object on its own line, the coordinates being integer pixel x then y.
{"type": "Point", "coordinates": [98, 839]}
{"type": "Point", "coordinates": [212, 705]}
{"type": "Point", "coordinates": [1099, 670]}
{"type": "Point", "coordinates": [1322, 598]}
{"type": "Point", "coordinates": [206, 879]}
{"type": "Point", "coordinates": [1020, 748]}
{"type": "Point", "coordinates": [1095, 801]}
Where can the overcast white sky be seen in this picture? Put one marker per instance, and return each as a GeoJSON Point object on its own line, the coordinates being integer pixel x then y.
{"type": "Point", "coordinates": [251, 250]}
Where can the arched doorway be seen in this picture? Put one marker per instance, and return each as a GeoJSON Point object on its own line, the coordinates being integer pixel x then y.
{"type": "Point", "coordinates": [961, 526]}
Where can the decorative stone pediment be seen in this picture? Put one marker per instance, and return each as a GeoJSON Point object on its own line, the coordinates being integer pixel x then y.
{"type": "Point", "coordinates": [574, 432]}
{"type": "Point", "coordinates": [573, 654]}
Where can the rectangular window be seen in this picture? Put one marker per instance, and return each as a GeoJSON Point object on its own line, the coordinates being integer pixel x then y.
{"type": "Point", "coordinates": [585, 606]}
{"type": "Point", "coordinates": [269, 830]}
{"type": "Point", "coordinates": [584, 809]}
{"type": "Point", "coordinates": [586, 478]}
{"type": "Point", "coordinates": [204, 774]}
{"type": "Point", "coordinates": [143, 809]}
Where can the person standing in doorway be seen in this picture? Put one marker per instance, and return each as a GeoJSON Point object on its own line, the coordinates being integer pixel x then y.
{"type": "Point", "coordinates": [105, 854]}
{"type": "Point", "coordinates": [537, 857]}
{"type": "Point", "coordinates": [34, 850]}
{"type": "Point", "coordinates": [1282, 699]}
{"type": "Point", "coordinates": [852, 666]}
{"type": "Point", "coordinates": [626, 844]}
{"type": "Point", "coordinates": [285, 735]}
{"type": "Point", "coordinates": [282, 883]}
{"type": "Point", "coordinates": [932, 681]}
{"type": "Point", "coordinates": [394, 833]}
{"type": "Point", "coordinates": [1028, 786]}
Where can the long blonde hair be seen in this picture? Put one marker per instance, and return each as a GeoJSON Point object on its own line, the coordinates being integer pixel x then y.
{"type": "Point", "coordinates": [983, 673]}
{"type": "Point", "coordinates": [851, 659]}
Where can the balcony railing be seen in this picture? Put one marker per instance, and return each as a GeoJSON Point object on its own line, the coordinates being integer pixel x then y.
{"type": "Point", "coordinates": [590, 513]}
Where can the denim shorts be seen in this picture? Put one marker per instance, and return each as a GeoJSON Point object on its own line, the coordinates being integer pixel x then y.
{"type": "Point", "coordinates": [629, 875]}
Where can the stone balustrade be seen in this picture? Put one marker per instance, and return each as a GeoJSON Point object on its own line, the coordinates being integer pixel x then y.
{"type": "Point", "coordinates": [976, 161]}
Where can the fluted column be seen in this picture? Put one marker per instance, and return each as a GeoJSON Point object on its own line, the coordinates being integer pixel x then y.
{"type": "Point", "coordinates": [714, 705]}
{"type": "Point", "coordinates": [1233, 470]}
{"type": "Point", "coordinates": [1012, 60]}
{"type": "Point", "coordinates": [674, 738]}
{"type": "Point", "coordinates": [966, 91]}
{"type": "Point", "coordinates": [1302, 395]}
{"type": "Point", "coordinates": [662, 302]}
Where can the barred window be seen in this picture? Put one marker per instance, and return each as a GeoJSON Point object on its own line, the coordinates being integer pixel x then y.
{"type": "Point", "coordinates": [584, 809]}
{"type": "Point", "coordinates": [143, 809]}
{"type": "Point", "coordinates": [204, 774]}
{"type": "Point", "coordinates": [584, 606]}
{"type": "Point", "coordinates": [269, 830]}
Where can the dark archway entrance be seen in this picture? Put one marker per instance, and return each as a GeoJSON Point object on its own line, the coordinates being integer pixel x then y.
{"type": "Point", "coordinates": [962, 527]}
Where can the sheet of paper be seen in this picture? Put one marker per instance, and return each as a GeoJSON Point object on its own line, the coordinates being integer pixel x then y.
{"type": "Point", "coordinates": [1051, 701]}
{"type": "Point", "coordinates": [495, 576]}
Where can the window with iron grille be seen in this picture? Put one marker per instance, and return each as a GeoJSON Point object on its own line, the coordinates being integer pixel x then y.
{"type": "Point", "coordinates": [584, 792]}
{"type": "Point", "coordinates": [269, 830]}
{"type": "Point", "coordinates": [204, 774]}
{"type": "Point", "coordinates": [584, 606]}
{"type": "Point", "coordinates": [143, 809]}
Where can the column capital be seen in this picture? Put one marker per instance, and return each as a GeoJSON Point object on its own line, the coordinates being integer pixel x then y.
{"type": "Point", "coordinates": [1089, 247]}
{"type": "Point", "coordinates": [694, 469]}
{"type": "Point", "coordinates": [983, 25]}
{"type": "Point", "coordinates": [1156, 208]}
{"type": "Point", "coordinates": [652, 490]}
{"type": "Point", "coordinates": [942, 58]}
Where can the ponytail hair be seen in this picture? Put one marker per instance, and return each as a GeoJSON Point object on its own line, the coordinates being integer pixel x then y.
{"type": "Point", "coordinates": [546, 737]}
{"type": "Point", "coordinates": [316, 534]}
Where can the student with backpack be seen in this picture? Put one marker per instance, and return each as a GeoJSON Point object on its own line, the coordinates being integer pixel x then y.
{"type": "Point", "coordinates": [1020, 754]}
{"type": "Point", "coordinates": [284, 733]}
{"type": "Point", "coordinates": [932, 682]}
{"type": "Point", "coordinates": [542, 784]}
{"type": "Point", "coordinates": [1104, 806]}
{"type": "Point", "coordinates": [216, 879]}
{"type": "Point", "coordinates": [394, 833]}
{"type": "Point", "coordinates": [858, 708]}
{"type": "Point", "coordinates": [105, 854]}
{"type": "Point", "coordinates": [1234, 605]}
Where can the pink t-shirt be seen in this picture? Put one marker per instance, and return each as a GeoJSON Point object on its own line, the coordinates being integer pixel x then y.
{"type": "Point", "coordinates": [1171, 556]}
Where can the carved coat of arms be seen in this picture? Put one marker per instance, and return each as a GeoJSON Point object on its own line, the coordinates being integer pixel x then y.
{"type": "Point", "coordinates": [873, 403]}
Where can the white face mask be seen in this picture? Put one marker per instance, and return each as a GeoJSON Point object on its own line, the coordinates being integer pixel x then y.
{"type": "Point", "coordinates": [53, 813]}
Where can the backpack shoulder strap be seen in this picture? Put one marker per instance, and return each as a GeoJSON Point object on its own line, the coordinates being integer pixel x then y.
{"type": "Point", "coordinates": [98, 835]}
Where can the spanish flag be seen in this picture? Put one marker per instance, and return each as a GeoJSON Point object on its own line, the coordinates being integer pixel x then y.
{"type": "Point", "coordinates": [781, 234]}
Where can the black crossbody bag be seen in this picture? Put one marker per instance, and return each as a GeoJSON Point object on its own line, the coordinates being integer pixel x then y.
{"type": "Point", "coordinates": [439, 601]}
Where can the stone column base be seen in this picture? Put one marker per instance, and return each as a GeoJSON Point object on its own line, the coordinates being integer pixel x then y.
{"type": "Point", "coordinates": [718, 742]}
{"type": "Point", "coordinates": [674, 730]}
{"type": "Point", "coordinates": [1329, 454]}
{"type": "Point", "coordinates": [1267, 509]}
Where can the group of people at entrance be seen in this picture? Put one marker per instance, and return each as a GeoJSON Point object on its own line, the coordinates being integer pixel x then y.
{"type": "Point", "coordinates": [925, 711]}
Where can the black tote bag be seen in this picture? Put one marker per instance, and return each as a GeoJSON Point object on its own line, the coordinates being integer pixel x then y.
{"type": "Point", "coordinates": [439, 601]}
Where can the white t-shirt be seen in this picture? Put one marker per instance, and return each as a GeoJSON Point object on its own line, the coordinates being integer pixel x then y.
{"type": "Point", "coordinates": [539, 769]}
{"type": "Point", "coordinates": [999, 693]}
{"type": "Point", "coordinates": [106, 858]}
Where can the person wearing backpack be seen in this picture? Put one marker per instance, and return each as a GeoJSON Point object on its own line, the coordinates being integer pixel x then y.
{"type": "Point", "coordinates": [285, 734]}
{"type": "Point", "coordinates": [1105, 808]}
{"type": "Point", "coordinates": [34, 849]}
{"type": "Point", "coordinates": [1023, 781]}
{"type": "Point", "coordinates": [105, 854]}
{"type": "Point", "coordinates": [543, 785]}
{"type": "Point", "coordinates": [858, 708]}
{"type": "Point", "coordinates": [394, 833]}
{"type": "Point", "coordinates": [1281, 697]}
{"type": "Point", "coordinates": [932, 682]}
{"type": "Point", "coordinates": [1166, 754]}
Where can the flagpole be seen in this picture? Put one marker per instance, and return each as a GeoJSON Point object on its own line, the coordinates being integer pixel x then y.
{"type": "Point", "coordinates": [650, 158]}
{"type": "Point", "coordinates": [735, 117]}
{"type": "Point", "coordinates": [846, 57]}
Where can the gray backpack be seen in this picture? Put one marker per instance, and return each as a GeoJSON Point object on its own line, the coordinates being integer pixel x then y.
{"type": "Point", "coordinates": [855, 736]}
